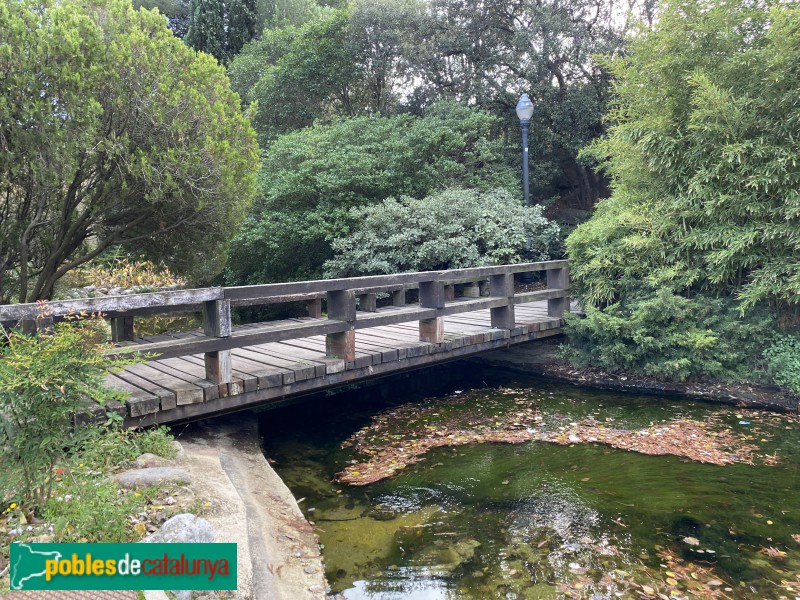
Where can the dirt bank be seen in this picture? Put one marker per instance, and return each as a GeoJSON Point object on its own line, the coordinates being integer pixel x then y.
{"type": "Point", "coordinates": [278, 553]}
{"type": "Point", "coordinates": [542, 359]}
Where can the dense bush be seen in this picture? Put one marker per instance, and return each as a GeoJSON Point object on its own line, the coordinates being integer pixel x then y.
{"type": "Point", "coordinates": [667, 336]}
{"type": "Point", "coordinates": [453, 229]}
{"type": "Point", "coordinates": [783, 362]}
{"type": "Point", "coordinates": [44, 381]}
{"type": "Point", "coordinates": [703, 156]}
{"type": "Point", "coordinates": [312, 177]}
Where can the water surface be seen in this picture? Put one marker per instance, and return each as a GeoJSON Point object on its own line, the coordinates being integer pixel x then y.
{"type": "Point", "coordinates": [538, 520]}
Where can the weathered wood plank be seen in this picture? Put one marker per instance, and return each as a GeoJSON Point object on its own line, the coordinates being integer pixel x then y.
{"type": "Point", "coordinates": [168, 300]}
{"type": "Point", "coordinates": [189, 412]}
{"type": "Point", "coordinates": [373, 281]}
{"type": "Point", "coordinates": [165, 396]}
{"type": "Point", "coordinates": [185, 392]}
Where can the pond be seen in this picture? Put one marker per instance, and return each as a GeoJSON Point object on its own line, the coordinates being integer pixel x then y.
{"type": "Point", "coordinates": [574, 509]}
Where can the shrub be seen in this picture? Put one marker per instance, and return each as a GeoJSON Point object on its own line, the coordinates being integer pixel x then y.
{"type": "Point", "coordinates": [452, 229]}
{"type": "Point", "coordinates": [126, 273]}
{"type": "Point", "coordinates": [783, 362]}
{"type": "Point", "coordinates": [44, 381]}
{"type": "Point", "coordinates": [667, 336]}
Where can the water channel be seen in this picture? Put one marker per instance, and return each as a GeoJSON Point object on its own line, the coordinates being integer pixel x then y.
{"type": "Point", "coordinates": [537, 520]}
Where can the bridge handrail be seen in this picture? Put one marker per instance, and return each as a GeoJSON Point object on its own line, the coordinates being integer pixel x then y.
{"type": "Point", "coordinates": [191, 299]}
{"type": "Point", "coordinates": [436, 301]}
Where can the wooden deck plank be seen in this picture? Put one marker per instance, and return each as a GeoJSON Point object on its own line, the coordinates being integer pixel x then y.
{"type": "Point", "coordinates": [185, 393]}
{"type": "Point", "coordinates": [166, 397]}
{"type": "Point", "coordinates": [277, 369]}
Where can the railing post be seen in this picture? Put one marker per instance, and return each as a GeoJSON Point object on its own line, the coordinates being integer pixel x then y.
{"type": "Point", "coordinates": [431, 295]}
{"type": "Point", "coordinates": [502, 286]}
{"type": "Point", "coordinates": [217, 323]}
{"type": "Point", "coordinates": [558, 279]}
{"type": "Point", "coordinates": [399, 297]}
{"type": "Point", "coordinates": [314, 308]}
{"type": "Point", "coordinates": [368, 302]}
{"type": "Point", "coordinates": [449, 292]}
{"type": "Point", "coordinates": [40, 325]}
{"type": "Point", "coordinates": [342, 307]}
{"type": "Point", "coordinates": [122, 329]}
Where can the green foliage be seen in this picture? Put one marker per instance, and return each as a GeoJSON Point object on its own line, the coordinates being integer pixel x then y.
{"type": "Point", "coordinates": [311, 178]}
{"type": "Point", "coordinates": [138, 141]}
{"type": "Point", "coordinates": [452, 229]}
{"type": "Point", "coordinates": [783, 361]}
{"type": "Point", "coordinates": [667, 336]}
{"type": "Point", "coordinates": [702, 151]}
{"type": "Point", "coordinates": [220, 28]}
{"type": "Point", "coordinates": [206, 31]}
{"type": "Point", "coordinates": [345, 62]}
{"type": "Point", "coordinates": [44, 381]}
{"type": "Point", "coordinates": [111, 446]}
{"type": "Point", "coordinates": [85, 505]}
{"type": "Point", "coordinates": [242, 24]}
{"type": "Point", "coordinates": [297, 74]}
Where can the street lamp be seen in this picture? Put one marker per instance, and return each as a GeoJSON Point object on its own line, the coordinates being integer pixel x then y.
{"type": "Point", "coordinates": [525, 112]}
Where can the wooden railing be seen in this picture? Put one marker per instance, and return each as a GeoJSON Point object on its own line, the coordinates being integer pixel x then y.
{"type": "Point", "coordinates": [341, 297]}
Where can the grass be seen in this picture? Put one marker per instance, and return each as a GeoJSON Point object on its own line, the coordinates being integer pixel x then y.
{"type": "Point", "coordinates": [87, 506]}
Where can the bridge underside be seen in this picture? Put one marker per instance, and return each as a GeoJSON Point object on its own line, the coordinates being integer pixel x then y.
{"type": "Point", "coordinates": [174, 389]}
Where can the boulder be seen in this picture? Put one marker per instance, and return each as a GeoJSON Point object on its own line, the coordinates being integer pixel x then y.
{"type": "Point", "coordinates": [138, 478]}
{"type": "Point", "coordinates": [185, 528]}
{"type": "Point", "coordinates": [148, 460]}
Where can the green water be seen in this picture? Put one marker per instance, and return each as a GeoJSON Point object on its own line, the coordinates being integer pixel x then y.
{"type": "Point", "coordinates": [538, 520]}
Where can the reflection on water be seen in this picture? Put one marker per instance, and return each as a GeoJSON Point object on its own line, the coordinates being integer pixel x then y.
{"type": "Point", "coordinates": [410, 584]}
{"type": "Point", "coordinates": [536, 521]}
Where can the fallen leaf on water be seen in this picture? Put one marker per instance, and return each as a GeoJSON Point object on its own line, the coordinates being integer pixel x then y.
{"type": "Point", "coordinates": [772, 552]}
{"type": "Point", "coordinates": [692, 541]}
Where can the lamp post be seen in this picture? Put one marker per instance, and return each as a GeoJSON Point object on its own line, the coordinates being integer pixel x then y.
{"type": "Point", "coordinates": [525, 112]}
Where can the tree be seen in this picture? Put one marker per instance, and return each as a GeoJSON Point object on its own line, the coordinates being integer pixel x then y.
{"type": "Point", "coordinates": [347, 62]}
{"type": "Point", "coordinates": [242, 24]}
{"type": "Point", "coordinates": [206, 31]}
{"type": "Point", "coordinates": [703, 154]}
{"type": "Point", "coordinates": [703, 160]}
{"type": "Point", "coordinates": [312, 177]}
{"type": "Point", "coordinates": [297, 74]}
{"type": "Point", "coordinates": [486, 52]}
{"type": "Point", "coordinates": [452, 229]}
{"type": "Point", "coordinates": [113, 132]}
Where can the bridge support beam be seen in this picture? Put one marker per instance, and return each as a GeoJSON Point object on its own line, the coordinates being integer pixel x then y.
{"type": "Point", "coordinates": [342, 307]}
{"type": "Point", "coordinates": [502, 286]}
{"type": "Point", "coordinates": [431, 295]}
{"type": "Point", "coordinates": [217, 323]}
{"type": "Point", "coordinates": [558, 279]}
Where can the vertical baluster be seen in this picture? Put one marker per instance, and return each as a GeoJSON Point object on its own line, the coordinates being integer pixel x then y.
{"type": "Point", "coordinates": [558, 279]}
{"type": "Point", "coordinates": [217, 323]}
{"type": "Point", "coordinates": [502, 286]}
{"type": "Point", "coordinates": [431, 295]}
{"type": "Point", "coordinates": [342, 307]}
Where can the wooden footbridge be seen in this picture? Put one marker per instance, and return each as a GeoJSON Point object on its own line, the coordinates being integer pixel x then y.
{"type": "Point", "coordinates": [348, 335]}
